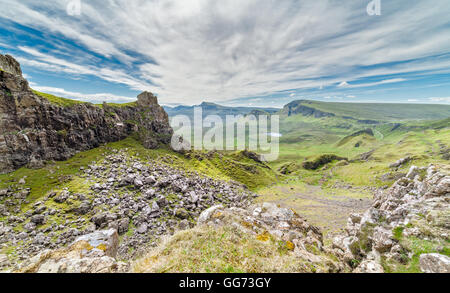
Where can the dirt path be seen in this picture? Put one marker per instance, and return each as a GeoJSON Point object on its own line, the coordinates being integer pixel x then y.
{"type": "Point", "coordinates": [328, 209]}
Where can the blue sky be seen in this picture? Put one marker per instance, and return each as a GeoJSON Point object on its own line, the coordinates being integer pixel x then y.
{"type": "Point", "coordinates": [235, 52]}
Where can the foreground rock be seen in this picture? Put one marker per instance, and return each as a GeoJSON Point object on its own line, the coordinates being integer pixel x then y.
{"type": "Point", "coordinates": [93, 253]}
{"type": "Point", "coordinates": [435, 263]}
{"type": "Point", "coordinates": [410, 217]}
{"type": "Point", "coordinates": [34, 130]}
{"type": "Point", "coordinates": [266, 221]}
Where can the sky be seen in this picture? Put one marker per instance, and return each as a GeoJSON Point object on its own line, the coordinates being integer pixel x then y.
{"type": "Point", "coordinates": [233, 52]}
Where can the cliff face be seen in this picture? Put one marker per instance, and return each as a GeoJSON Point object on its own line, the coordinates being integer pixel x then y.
{"type": "Point", "coordinates": [298, 107]}
{"type": "Point", "coordinates": [33, 130]}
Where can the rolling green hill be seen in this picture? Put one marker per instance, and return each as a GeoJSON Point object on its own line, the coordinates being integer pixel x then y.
{"type": "Point", "coordinates": [366, 112]}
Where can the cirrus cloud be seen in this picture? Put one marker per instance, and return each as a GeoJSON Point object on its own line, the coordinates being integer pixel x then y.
{"type": "Point", "coordinates": [194, 50]}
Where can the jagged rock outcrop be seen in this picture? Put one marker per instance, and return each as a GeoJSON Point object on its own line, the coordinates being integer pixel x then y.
{"type": "Point", "coordinates": [34, 130]}
{"type": "Point", "coordinates": [9, 64]}
{"type": "Point", "coordinates": [400, 162]}
{"type": "Point", "coordinates": [404, 221]}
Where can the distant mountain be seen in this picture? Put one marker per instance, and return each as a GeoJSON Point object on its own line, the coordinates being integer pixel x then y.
{"type": "Point", "coordinates": [216, 109]}
{"type": "Point", "coordinates": [368, 113]}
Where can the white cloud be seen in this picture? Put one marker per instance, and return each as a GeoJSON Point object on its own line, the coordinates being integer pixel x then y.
{"type": "Point", "coordinates": [440, 99]}
{"type": "Point", "coordinates": [221, 50]}
{"type": "Point", "coordinates": [343, 84]}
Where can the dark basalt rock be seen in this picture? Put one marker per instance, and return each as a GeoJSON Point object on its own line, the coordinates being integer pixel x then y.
{"type": "Point", "coordinates": [33, 130]}
{"type": "Point", "coordinates": [298, 107]}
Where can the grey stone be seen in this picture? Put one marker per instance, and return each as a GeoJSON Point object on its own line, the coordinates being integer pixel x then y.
{"type": "Point", "coordinates": [123, 225]}
{"type": "Point", "coordinates": [107, 241]}
{"type": "Point", "coordinates": [38, 219]}
{"type": "Point", "coordinates": [435, 263]}
{"type": "Point", "coordinates": [142, 229]}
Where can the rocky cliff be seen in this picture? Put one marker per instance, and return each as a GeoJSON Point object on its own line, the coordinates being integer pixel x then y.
{"type": "Point", "coordinates": [299, 107]}
{"type": "Point", "coordinates": [34, 130]}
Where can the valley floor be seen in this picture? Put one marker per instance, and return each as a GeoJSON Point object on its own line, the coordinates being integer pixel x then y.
{"type": "Point", "coordinates": [327, 209]}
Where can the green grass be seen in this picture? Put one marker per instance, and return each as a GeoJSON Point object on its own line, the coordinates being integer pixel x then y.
{"type": "Point", "coordinates": [417, 247]}
{"type": "Point", "coordinates": [118, 105]}
{"type": "Point", "coordinates": [56, 175]}
{"type": "Point", "coordinates": [63, 102]}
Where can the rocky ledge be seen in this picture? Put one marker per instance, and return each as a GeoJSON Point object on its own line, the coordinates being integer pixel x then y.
{"type": "Point", "coordinates": [34, 130]}
{"type": "Point", "coordinates": [404, 224]}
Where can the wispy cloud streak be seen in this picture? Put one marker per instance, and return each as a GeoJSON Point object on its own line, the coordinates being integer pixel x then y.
{"type": "Point", "coordinates": [222, 50]}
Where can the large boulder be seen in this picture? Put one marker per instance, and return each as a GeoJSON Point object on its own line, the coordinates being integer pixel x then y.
{"type": "Point", "coordinates": [434, 263]}
{"type": "Point", "coordinates": [369, 267]}
{"type": "Point", "coordinates": [107, 241]}
{"type": "Point", "coordinates": [205, 216]}
{"type": "Point", "coordinates": [93, 253]}
{"type": "Point", "coordinates": [400, 162]}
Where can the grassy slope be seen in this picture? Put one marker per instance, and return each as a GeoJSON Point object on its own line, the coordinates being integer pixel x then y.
{"type": "Point", "coordinates": [311, 193]}
{"type": "Point", "coordinates": [56, 175]}
{"type": "Point", "coordinates": [64, 102]}
{"type": "Point", "coordinates": [423, 146]}
{"type": "Point", "coordinates": [117, 105]}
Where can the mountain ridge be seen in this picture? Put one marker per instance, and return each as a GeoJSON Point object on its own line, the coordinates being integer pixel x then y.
{"type": "Point", "coordinates": [368, 112]}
